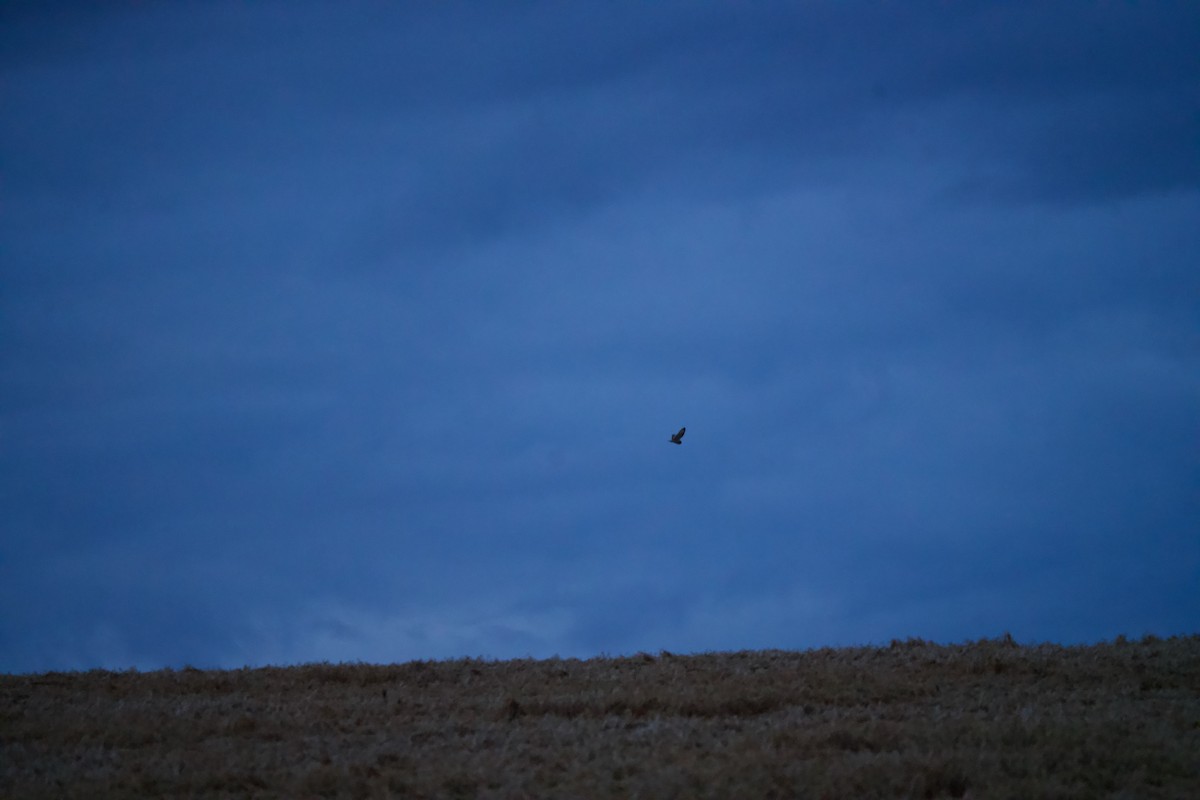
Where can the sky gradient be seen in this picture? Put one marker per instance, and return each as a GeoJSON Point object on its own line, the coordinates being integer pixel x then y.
{"type": "Point", "coordinates": [358, 331]}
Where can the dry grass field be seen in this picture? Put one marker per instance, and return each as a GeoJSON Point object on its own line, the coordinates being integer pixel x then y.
{"type": "Point", "coordinates": [986, 719]}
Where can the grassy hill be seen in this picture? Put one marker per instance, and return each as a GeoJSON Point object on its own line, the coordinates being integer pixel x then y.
{"type": "Point", "coordinates": [984, 719]}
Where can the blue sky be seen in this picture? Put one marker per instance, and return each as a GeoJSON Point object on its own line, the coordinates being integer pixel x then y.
{"type": "Point", "coordinates": [357, 331]}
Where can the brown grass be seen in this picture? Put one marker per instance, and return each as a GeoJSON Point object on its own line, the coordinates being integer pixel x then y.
{"type": "Point", "coordinates": [987, 719]}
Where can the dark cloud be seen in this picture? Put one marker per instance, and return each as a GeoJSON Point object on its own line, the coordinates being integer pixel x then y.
{"type": "Point", "coordinates": [359, 333]}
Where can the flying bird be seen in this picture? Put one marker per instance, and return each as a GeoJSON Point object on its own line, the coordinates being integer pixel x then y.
{"type": "Point", "coordinates": [678, 438]}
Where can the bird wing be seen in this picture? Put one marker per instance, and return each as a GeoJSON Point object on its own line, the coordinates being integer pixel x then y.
{"type": "Point", "coordinates": [680, 434]}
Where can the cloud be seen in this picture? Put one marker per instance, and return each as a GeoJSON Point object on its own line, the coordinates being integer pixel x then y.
{"type": "Point", "coordinates": [373, 332]}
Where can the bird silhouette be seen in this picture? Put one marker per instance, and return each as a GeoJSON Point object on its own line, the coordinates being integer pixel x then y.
{"type": "Point", "coordinates": [678, 438]}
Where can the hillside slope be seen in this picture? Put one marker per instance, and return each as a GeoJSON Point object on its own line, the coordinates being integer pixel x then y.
{"type": "Point", "coordinates": [985, 719]}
